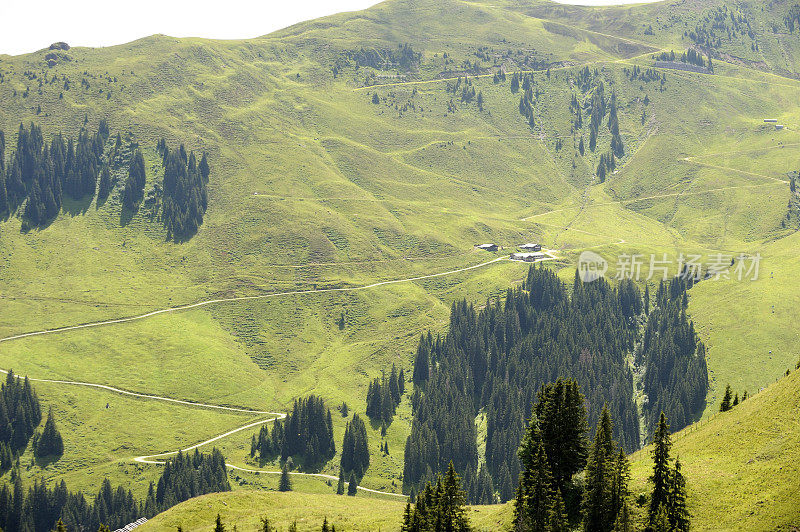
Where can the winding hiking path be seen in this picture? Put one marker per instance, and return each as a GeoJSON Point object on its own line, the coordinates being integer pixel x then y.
{"type": "Point", "coordinates": [247, 298]}
{"type": "Point", "coordinates": [273, 416]}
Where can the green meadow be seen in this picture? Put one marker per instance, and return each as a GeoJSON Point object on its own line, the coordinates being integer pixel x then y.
{"type": "Point", "coordinates": [315, 187]}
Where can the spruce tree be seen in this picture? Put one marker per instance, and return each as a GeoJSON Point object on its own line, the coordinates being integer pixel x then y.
{"type": "Point", "coordinates": [340, 485]}
{"type": "Point", "coordinates": [726, 400]}
{"type": "Point", "coordinates": [352, 485]}
{"type": "Point", "coordinates": [598, 507]}
{"type": "Point", "coordinates": [285, 483]}
{"type": "Point", "coordinates": [561, 413]}
{"type": "Point", "coordinates": [50, 442]}
{"type": "Point", "coordinates": [661, 471]}
{"type": "Point", "coordinates": [678, 513]}
{"type": "Point", "coordinates": [219, 527]}
{"type": "Point", "coordinates": [535, 499]}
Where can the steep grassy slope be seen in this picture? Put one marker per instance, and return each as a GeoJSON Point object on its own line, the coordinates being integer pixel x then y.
{"type": "Point", "coordinates": [741, 465]}
{"type": "Point", "coordinates": [314, 186]}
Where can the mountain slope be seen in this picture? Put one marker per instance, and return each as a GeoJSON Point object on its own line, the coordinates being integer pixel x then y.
{"type": "Point", "coordinates": [314, 186]}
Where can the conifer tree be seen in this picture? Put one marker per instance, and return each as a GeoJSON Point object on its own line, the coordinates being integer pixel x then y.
{"type": "Point", "coordinates": [561, 412]}
{"type": "Point", "coordinates": [535, 499]}
{"type": "Point", "coordinates": [104, 189]}
{"type": "Point", "coordinates": [134, 184]}
{"type": "Point", "coordinates": [678, 513]}
{"type": "Point", "coordinates": [352, 485]}
{"type": "Point", "coordinates": [598, 504]}
{"type": "Point", "coordinates": [355, 448]}
{"type": "Point", "coordinates": [285, 483]}
{"type": "Point", "coordinates": [50, 442]}
{"type": "Point", "coordinates": [661, 471]}
{"type": "Point", "coordinates": [219, 527]}
{"type": "Point", "coordinates": [340, 485]}
{"type": "Point", "coordinates": [726, 400]}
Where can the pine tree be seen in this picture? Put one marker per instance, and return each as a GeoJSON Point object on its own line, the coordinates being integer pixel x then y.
{"type": "Point", "coordinates": [50, 442]}
{"type": "Point", "coordinates": [535, 499]}
{"type": "Point", "coordinates": [355, 448]}
{"type": "Point", "coordinates": [134, 185]}
{"type": "Point", "coordinates": [219, 527]}
{"type": "Point", "coordinates": [451, 503]}
{"type": "Point", "coordinates": [340, 485]}
{"type": "Point", "coordinates": [352, 485]}
{"type": "Point", "coordinates": [598, 504]}
{"type": "Point", "coordinates": [561, 412]}
{"type": "Point", "coordinates": [285, 483]}
{"type": "Point", "coordinates": [726, 400]}
{"type": "Point", "coordinates": [678, 513]}
{"type": "Point", "coordinates": [104, 188]}
{"type": "Point", "coordinates": [661, 471]}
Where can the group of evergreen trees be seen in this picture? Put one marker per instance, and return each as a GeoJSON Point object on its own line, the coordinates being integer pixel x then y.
{"type": "Point", "coordinates": [20, 414]}
{"type": "Point", "coordinates": [355, 450]}
{"type": "Point", "coordinates": [608, 163]}
{"type": "Point", "coordinates": [185, 476]}
{"type": "Point", "coordinates": [384, 394]}
{"type": "Point", "coordinates": [528, 99]}
{"type": "Point", "coordinates": [667, 510]}
{"type": "Point", "coordinates": [440, 506]}
{"type": "Point", "coordinates": [185, 196]}
{"type": "Point", "coordinates": [38, 175]}
{"type": "Point", "coordinates": [675, 373]}
{"type": "Point", "coordinates": [49, 442]}
{"type": "Point", "coordinates": [553, 450]}
{"type": "Point", "coordinates": [306, 434]}
{"type": "Point", "coordinates": [496, 359]}
{"type": "Point", "coordinates": [41, 509]}
{"type": "Point", "coordinates": [729, 400]}
{"type": "Point", "coordinates": [42, 173]}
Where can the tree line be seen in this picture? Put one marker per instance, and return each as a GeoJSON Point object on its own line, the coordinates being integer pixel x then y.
{"type": "Point", "coordinates": [38, 174]}
{"type": "Point", "coordinates": [494, 360]}
{"type": "Point", "coordinates": [384, 394]}
{"type": "Point", "coordinates": [305, 435]}
{"type": "Point", "coordinates": [185, 198]}
{"type": "Point", "coordinates": [42, 509]}
{"type": "Point", "coordinates": [674, 359]}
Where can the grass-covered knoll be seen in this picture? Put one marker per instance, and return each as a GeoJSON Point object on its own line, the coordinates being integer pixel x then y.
{"type": "Point", "coordinates": [244, 509]}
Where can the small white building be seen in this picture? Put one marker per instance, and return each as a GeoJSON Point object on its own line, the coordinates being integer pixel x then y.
{"type": "Point", "coordinates": [531, 247]}
{"type": "Point", "coordinates": [779, 126]}
{"type": "Point", "coordinates": [487, 247]}
{"type": "Point", "coordinates": [771, 120]}
{"type": "Point", "coordinates": [527, 257]}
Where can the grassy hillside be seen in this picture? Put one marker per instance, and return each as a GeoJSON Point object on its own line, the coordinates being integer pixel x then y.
{"type": "Point", "coordinates": [245, 509]}
{"type": "Point", "coordinates": [314, 186]}
{"type": "Point", "coordinates": [741, 466]}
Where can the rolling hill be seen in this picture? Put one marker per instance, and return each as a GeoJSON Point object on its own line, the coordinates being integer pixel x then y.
{"type": "Point", "coordinates": [354, 150]}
